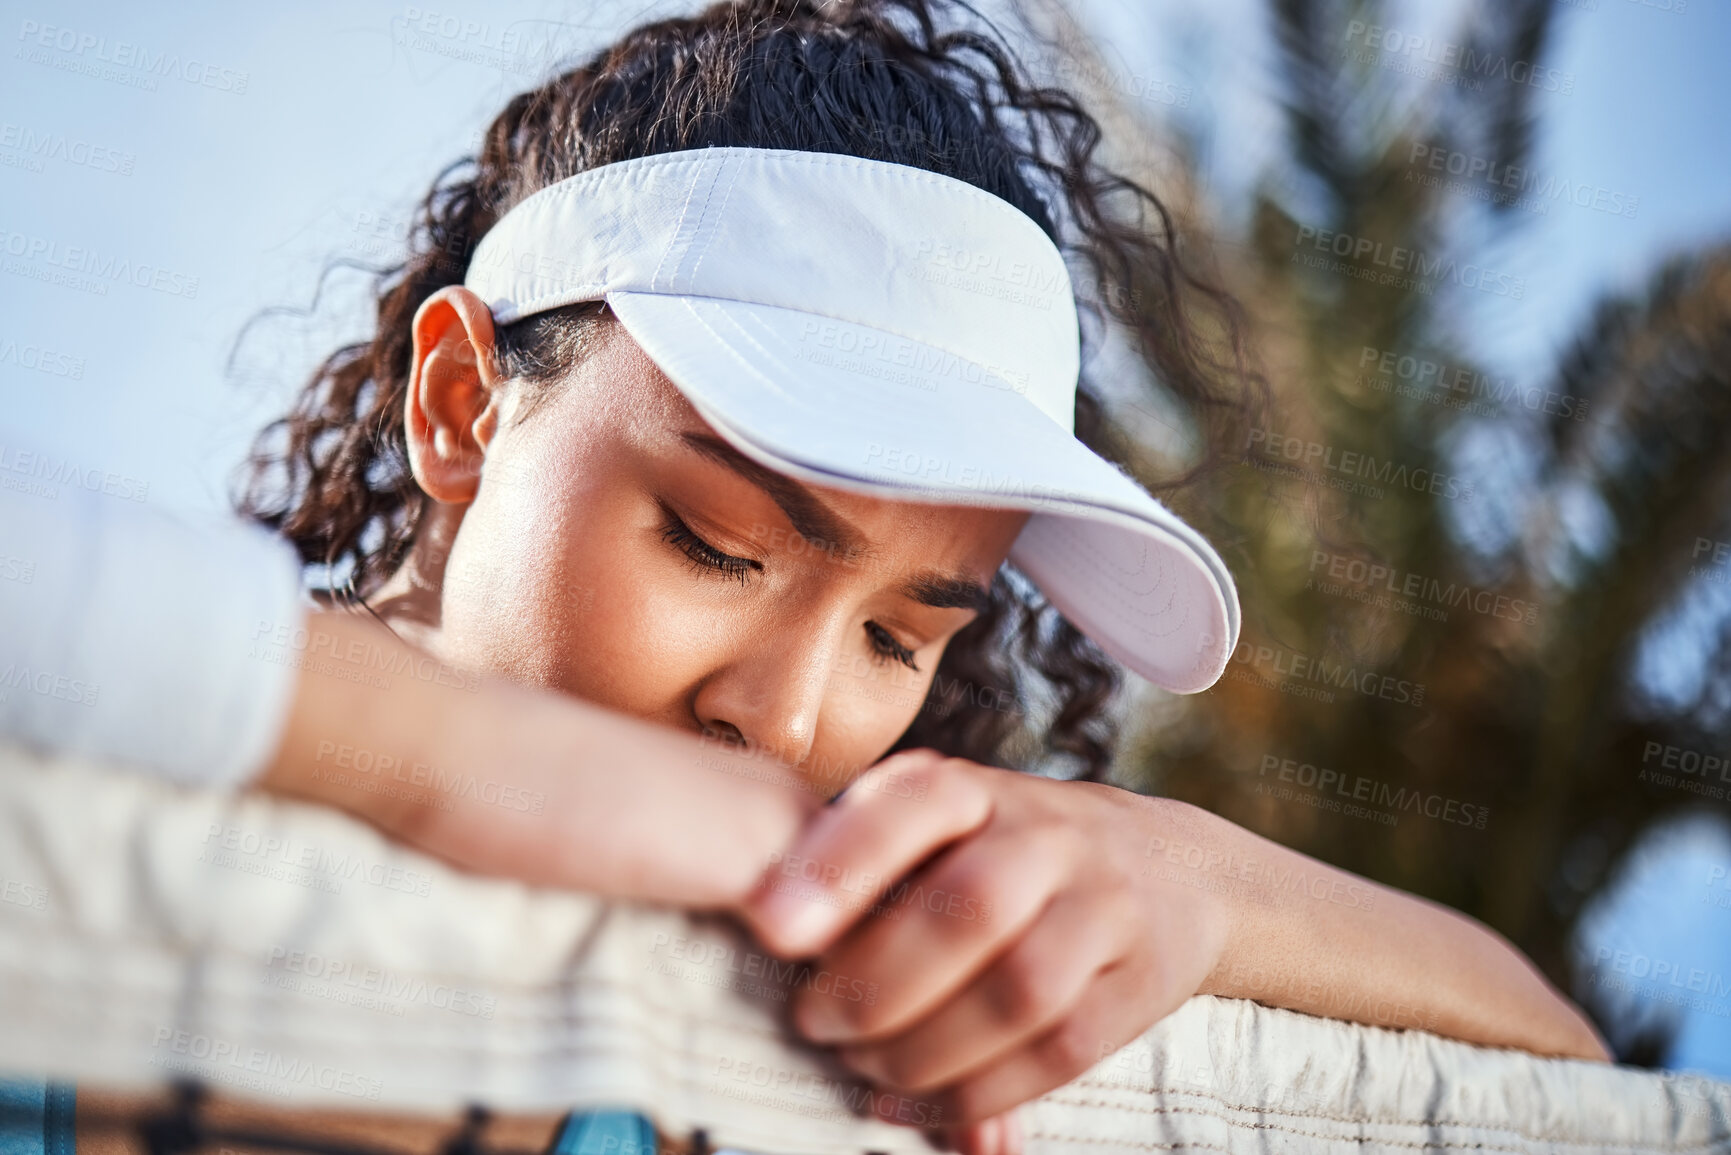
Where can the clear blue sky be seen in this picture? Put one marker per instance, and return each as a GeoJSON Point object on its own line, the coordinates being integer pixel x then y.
{"type": "Point", "coordinates": [289, 134]}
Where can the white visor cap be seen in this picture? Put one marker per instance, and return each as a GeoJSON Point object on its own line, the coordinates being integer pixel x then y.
{"type": "Point", "coordinates": [881, 329]}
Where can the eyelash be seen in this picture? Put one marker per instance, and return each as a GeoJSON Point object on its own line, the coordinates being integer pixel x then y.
{"type": "Point", "coordinates": [887, 649]}
{"type": "Point", "coordinates": [707, 558]}
{"type": "Point", "coordinates": [702, 553]}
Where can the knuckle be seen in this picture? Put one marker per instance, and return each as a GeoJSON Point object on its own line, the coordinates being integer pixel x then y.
{"type": "Point", "coordinates": [972, 805]}
{"type": "Point", "coordinates": [1019, 990]}
{"type": "Point", "coordinates": [918, 760]}
{"type": "Point", "coordinates": [1055, 840]}
{"type": "Point", "coordinates": [972, 1102]}
{"type": "Point", "coordinates": [906, 1068]}
{"type": "Point", "coordinates": [1068, 1049]}
{"type": "Point", "coordinates": [955, 781]}
{"type": "Point", "coordinates": [924, 779]}
{"type": "Point", "coordinates": [1121, 906]}
{"type": "Point", "coordinates": [854, 1017]}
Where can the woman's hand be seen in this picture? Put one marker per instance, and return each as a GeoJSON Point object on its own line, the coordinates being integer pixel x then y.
{"type": "Point", "coordinates": [527, 784]}
{"type": "Point", "coordinates": [1015, 936]}
{"type": "Point", "coordinates": [1016, 930]}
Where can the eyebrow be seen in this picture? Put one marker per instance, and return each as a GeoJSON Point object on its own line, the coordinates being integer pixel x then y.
{"type": "Point", "coordinates": [818, 524]}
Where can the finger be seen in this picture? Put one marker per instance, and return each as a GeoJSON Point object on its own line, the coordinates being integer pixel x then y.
{"type": "Point", "coordinates": [1026, 990]}
{"type": "Point", "coordinates": [850, 852]}
{"type": "Point", "coordinates": [999, 1135]}
{"type": "Point", "coordinates": [944, 926]}
{"type": "Point", "coordinates": [983, 1138]}
{"type": "Point", "coordinates": [1105, 1020]}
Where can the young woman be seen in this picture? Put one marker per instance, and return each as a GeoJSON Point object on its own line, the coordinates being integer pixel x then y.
{"type": "Point", "coordinates": [557, 491]}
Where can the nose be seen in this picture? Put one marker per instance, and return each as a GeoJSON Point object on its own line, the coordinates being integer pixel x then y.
{"type": "Point", "coordinates": [770, 693]}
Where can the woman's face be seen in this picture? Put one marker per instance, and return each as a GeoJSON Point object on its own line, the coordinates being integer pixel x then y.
{"type": "Point", "coordinates": [618, 549]}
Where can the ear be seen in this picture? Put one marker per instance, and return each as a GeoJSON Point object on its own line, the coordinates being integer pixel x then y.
{"type": "Point", "coordinates": [454, 396]}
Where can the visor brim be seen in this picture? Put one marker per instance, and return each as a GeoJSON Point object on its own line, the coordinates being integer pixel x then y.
{"type": "Point", "coordinates": [860, 409]}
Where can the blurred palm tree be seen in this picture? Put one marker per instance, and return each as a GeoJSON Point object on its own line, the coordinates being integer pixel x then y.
{"type": "Point", "coordinates": [1456, 588]}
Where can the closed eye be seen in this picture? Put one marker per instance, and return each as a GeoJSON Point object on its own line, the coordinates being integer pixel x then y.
{"type": "Point", "coordinates": [703, 555]}
{"type": "Point", "coordinates": [710, 560]}
{"type": "Point", "coordinates": [887, 648]}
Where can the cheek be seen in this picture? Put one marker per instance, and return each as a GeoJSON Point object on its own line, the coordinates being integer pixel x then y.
{"type": "Point", "coordinates": [507, 597]}
{"type": "Point", "coordinates": [867, 709]}
{"type": "Point", "coordinates": [576, 592]}
{"type": "Point", "coordinates": [517, 582]}
{"type": "Point", "coordinates": [652, 634]}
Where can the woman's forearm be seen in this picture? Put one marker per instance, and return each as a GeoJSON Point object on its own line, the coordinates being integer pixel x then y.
{"type": "Point", "coordinates": [1309, 937]}
{"type": "Point", "coordinates": [524, 783]}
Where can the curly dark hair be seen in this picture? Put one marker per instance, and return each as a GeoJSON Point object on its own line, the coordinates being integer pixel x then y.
{"type": "Point", "coordinates": [881, 79]}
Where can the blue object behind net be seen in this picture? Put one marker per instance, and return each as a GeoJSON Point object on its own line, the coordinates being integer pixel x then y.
{"type": "Point", "coordinates": [36, 1118]}
{"type": "Point", "coordinates": [605, 1133]}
